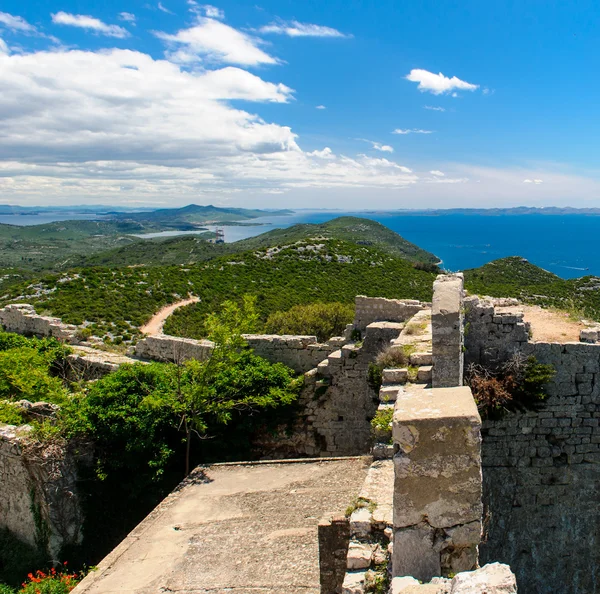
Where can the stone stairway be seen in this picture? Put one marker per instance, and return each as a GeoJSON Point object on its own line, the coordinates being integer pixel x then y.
{"type": "Point", "coordinates": [415, 341]}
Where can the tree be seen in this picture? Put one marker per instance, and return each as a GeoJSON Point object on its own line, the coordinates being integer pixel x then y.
{"type": "Point", "coordinates": [231, 379]}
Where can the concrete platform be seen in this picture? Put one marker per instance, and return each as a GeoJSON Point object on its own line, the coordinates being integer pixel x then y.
{"type": "Point", "coordinates": [233, 528]}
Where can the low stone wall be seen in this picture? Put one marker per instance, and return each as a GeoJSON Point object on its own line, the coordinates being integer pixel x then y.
{"type": "Point", "coordinates": [301, 353]}
{"type": "Point", "coordinates": [378, 309]}
{"type": "Point", "coordinates": [22, 319]}
{"type": "Point", "coordinates": [541, 474]}
{"type": "Point", "coordinates": [492, 334]}
{"type": "Point", "coordinates": [39, 502]}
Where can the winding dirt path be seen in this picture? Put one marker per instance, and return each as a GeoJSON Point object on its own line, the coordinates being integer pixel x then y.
{"type": "Point", "coordinates": [157, 321]}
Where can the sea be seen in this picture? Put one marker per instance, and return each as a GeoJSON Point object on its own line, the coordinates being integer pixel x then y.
{"type": "Point", "coordinates": [567, 245]}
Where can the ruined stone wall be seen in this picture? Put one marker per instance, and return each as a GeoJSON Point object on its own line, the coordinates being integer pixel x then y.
{"type": "Point", "coordinates": [22, 319]}
{"type": "Point", "coordinates": [39, 502]}
{"type": "Point", "coordinates": [492, 334]}
{"type": "Point", "coordinates": [301, 353]}
{"type": "Point", "coordinates": [541, 474]}
{"type": "Point", "coordinates": [378, 309]}
{"type": "Point", "coordinates": [337, 403]}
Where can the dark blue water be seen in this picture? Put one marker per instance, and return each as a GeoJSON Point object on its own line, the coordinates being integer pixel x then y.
{"type": "Point", "coordinates": [567, 245]}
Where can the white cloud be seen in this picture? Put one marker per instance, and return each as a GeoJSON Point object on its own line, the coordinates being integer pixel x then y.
{"type": "Point", "coordinates": [3, 47]}
{"type": "Point", "coordinates": [434, 108]}
{"type": "Point", "coordinates": [326, 153]}
{"type": "Point", "coordinates": [411, 131]}
{"type": "Point", "coordinates": [533, 181]}
{"type": "Point", "coordinates": [16, 23]}
{"type": "Point", "coordinates": [437, 173]}
{"type": "Point", "coordinates": [164, 9]}
{"type": "Point", "coordinates": [127, 16]}
{"type": "Point", "coordinates": [212, 11]}
{"type": "Point", "coordinates": [320, 107]}
{"type": "Point", "coordinates": [88, 22]}
{"type": "Point", "coordinates": [296, 29]}
{"type": "Point", "coordinates": [378, 146]}
{"type": "Point", "coordinates": [217, 41]}
{"type": "Point", "coordinates": [119, 125]}
{"type": "Point", "coordinates": [438, 84]}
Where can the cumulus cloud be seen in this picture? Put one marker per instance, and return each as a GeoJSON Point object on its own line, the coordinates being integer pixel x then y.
{"type": "Point", "coordinates": [3, 47]}
{"type": "Point", "coordinates": [104, 125]}
{"type": "Point", "coordinates": [88, 22]}
{"type": "Point", "coordinates": [437, 173]}
{"type": "Point", "coordinates": [15, 23]}
{"type": "Point", "coordinates": [296, 29]}
{"type": "Point", "coordinates": [217, 41]}
{"type": "Point", "coordinates": [320, 107]}
{"type": "Point", "coordinates": [438, 84]}
{"type": "Point", "coordinates": [127, 16]}
{"type": "Point", "coordinates": [533, 181]}
{"type": "Point", "coordinates": [326, 153]}
{"type": "Point", "coordinates": [411, 131]}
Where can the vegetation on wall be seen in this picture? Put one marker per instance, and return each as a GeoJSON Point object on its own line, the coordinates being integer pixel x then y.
{"type": "Point", "coordinates": [517, 385]}
{"type": "Point", "coordinates": [323, 320]}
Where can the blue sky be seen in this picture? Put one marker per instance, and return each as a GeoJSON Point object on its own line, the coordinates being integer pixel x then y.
{"type": "Point", "coordinates": [331, 104]}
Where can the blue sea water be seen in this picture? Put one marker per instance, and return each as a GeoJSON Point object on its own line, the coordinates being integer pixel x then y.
{"type": "Point", "coordinates": [567, 245]}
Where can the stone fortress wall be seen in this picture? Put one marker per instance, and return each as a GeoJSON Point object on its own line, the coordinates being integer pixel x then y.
{"type": "Point", "coordinates": [39, 502]}
{"type": "Point", "coordinates": [541, 468]}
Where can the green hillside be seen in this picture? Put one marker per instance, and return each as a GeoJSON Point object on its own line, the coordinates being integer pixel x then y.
{"type": "Point", "coordinates": [120, 299]}
{"type": "Point", "coordinates": [516, 277]}
{"type": "Point", "coordinates": [187, 250]}
{"type": "Point", "coordinates": [189, 217]}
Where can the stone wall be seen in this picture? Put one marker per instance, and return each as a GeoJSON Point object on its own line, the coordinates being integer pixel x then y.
{"type": "Point", "coordinates": [22, 319]}
{"type": "Point", "coordinates": [542, 478]}
{"type": "Point", "coordinates": [492, 334]}
{"type": "Point", "coordinates": [337, 403]}
{"type": "Point", "coordinates": [437, 488]}
{"type": "Point", "coordinates": [447, 331]}
{"type": "Point", "coordinates": [39, 502]}
{"type": "Point", "coordinates": [378, 309]}
{"type": "Point", "coordinates": [301, 353]}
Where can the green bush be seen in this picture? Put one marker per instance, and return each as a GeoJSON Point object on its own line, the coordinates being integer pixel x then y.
{"type": "Point", "coordinates": [381, 424]}
{"type": "Point", "coordinates": [10, 414]}
{"type": "Point", "coordinates": [321, 319]}
{"type": "Point", "coordinates": [25, 374]}
{"type": "Point", "coordinates": [50, 582]}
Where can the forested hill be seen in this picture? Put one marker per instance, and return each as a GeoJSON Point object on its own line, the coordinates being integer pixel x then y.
{"type": "Point", "coordinates": [516, 277]}
{"type": "Point", "coordinates": [120, 299]}
{"type": "Point", "coordinates": [187, 249]}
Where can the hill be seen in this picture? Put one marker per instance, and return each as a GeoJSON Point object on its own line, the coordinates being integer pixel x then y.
{"type": "Point", "coordinates": [516, 277]}
{"type": "Point", "coordinates": [62, 245]}
{"type": "Point", "coordinates": [187, 250]}
{"type": "Point", "coordinates": [119, 300]}
{"type": "Point", "coordinates": [191, 216]}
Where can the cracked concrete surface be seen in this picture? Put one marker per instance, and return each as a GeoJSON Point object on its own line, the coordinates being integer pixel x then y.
{"type": "Point", "coordinates": [233, 528]}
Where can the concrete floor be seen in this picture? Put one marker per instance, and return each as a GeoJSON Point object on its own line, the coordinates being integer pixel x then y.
{"type": "Point", "coordinates": [233, 528]}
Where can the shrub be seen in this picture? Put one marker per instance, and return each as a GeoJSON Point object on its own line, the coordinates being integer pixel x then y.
{"type": "Point", "coordinates": [324, 320]}
{"type": "Point", "coordinates": [516, 385]}
{"type": "Point", "coordinates": [10, 414]}
{"type": "Point", "coordinates": [394, 357]}
{"type": "Point", "coordinates": [25, 374]}
{"type": "Point", "coordinates": [381, 424]}
{"type": "Point", "coordinates": [52, 582]}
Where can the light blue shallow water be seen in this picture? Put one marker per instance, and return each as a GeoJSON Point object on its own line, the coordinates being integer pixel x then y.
{"type": "Point", "coordinates": [568, 245]}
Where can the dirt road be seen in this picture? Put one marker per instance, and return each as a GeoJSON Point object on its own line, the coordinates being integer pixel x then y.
{"type": "Point", "coordinates": [157, 321]}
